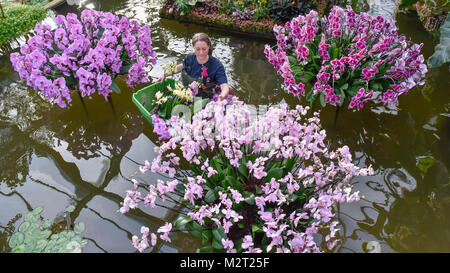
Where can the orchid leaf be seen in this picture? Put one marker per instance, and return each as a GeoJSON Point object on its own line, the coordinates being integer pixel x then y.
{"type": "Point", "coordinates": [441, 53]}
{"type": "Point", "coordinates": [114, 87]}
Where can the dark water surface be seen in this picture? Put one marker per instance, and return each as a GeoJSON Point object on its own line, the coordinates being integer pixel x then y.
{"type": "Point", "coordinates": [84, 156]}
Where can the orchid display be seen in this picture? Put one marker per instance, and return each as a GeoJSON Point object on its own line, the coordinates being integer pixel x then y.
{"type": "Point", "coordinates": [84, 54]}
{"type": "Point", "coordinates": [255, 184]}
{"type": "Point", "coordinates": [345, 55]}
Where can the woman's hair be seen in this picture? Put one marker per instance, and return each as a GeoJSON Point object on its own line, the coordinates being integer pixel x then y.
{"type": "Point", "coordinates": [204, 38]}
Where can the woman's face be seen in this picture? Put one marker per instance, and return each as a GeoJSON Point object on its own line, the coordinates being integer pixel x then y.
{"type": "Point", "coordinates": [201, 49]}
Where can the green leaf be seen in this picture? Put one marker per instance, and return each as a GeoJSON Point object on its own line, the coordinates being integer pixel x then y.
{"type": "Point", "coordinates": [407, 3]}
{"type": "Point", "coordinates": [424, 163]}
{"type": "Point", "coordinates": [353, 90]}
{"type": "Point", "coordinates": [288, 165]}
{"type": "Point", "coordinates": [24, 226]}
{"type": "Point", "coordinates": [341, 97]}
{"type": "Point", "coordinates": [47, 224]}
{"type": "Point", "coordinates": [206, 249]}
{"type": "Point", "coordinates": [114, 87]}
{"type": "Point", "coordinates": [441, 53]}
{"type": "Point", "coordinates": [125, 69]}
{"type": "Point", "coordinates": [40, 245]}
{"type": "Point", "coordinates": [16, 239]}
{"type": "Point", "coordinates": [19, 249]}
{"type": "Point", "coordinates": [217, 244]}
{"type": "Point", "coordinates": [219, 234]}
{"type": "Point", "coordinates": [30, 217]}
{"type": "Point", "coordinates": [322, 99]}
{"type": "Point", "coordinates": [256, 229]}
{"type": "Point", "coordinates": [206, 236]}
{"type": "Point", "coordinates": [276, 173]}
{"type": "Point", "coordinates": [182, 221]}
{"type": "Point", "coordinates": [376, 86]}
{"type": "Point", "coordinates": [249, 198]}
{"type": "Point", "coordinates": [243, 169]}
{"type": "Point", "coordinates": [210, 196]}
{"type": "Point", "coordinates": [79, 228]}
{"type": "Point", "coordinates": [234, 183]}
{"type": "Point", "coordinates": [194, 228]}
{"type": "Point", "coordinates": [38, 210]}
{"type": "Point", "coordinates": [70, 208]}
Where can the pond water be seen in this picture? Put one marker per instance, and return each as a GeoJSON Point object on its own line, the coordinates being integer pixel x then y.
{"type": "Point", "coordinates": [84, 155]}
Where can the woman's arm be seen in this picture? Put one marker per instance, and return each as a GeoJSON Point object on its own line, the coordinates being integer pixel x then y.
{"type": "Point", "coordinates": [225, 89]}
{"type": "Point", "coordinates": [178, 68]}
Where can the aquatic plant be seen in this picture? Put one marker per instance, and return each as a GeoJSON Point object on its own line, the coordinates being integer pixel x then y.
{"type": "Point", "coordinates": [346, 56]}
{"type": "Point", "coordinates": [85, 55]}
{"type": "Point", "coordinates": [33, 237]}
{"type": "Point", "coordinates": [260, 184]}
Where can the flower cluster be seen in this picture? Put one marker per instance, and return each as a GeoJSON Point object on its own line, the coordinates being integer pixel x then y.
{"type": "Point", "coordinates": [84, 54]}
{"type": "Point", "coordinates": [264, 184]}
{"type": "Point", "coordinates": [182, 93]}
{"type": "Point", "coordinates": [160, 128]}
{"type": "Point", "coordinates": [343, 52]}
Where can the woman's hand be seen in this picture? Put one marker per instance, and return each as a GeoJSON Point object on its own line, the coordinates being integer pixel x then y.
{"type": "Point", "coordinates": [162, 78]}
{"type": "Point", "coordinates": [225, 89]}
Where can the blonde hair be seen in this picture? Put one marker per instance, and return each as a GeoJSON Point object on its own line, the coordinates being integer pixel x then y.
{"type": "Point", "coordinates": [204, 38]}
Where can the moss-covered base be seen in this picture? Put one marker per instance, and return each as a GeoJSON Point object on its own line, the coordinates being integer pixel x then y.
{"type": "Point", "coordinates": [262, 28]}
{"type": "Point", "coordinates": [18, 20]}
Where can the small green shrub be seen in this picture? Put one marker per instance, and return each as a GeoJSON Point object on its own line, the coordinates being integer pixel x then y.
{"type": "Point", "coordinates": [18, 20]}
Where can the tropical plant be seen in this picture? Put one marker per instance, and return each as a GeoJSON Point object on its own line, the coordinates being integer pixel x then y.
{"type": "Point", "coordinates": [265, 184]}
{"type": "Point", "coordinates": [35, 237]}
{"type": "Point", "coordinates": [345, 55]}
{"type": "Point", "coordinates": [84, 55]}
{"type": "Point", "coordinates": [18, 19]}
{"type": "Point", "coordinates": [247, 14]}
{"type": "Point", "coordinates": [441, 53]}
{"type": "Point", "coordinates": [186, 5]}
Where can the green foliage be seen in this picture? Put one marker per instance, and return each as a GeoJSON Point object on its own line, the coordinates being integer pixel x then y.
{"type": "Point", "coordinates": [18, 20]}
{"type": "Point", "coordinates": [407, 3]}
{"type": "Point", "coordinates": [285, 10]}
{"type": "Point", "coordinates": [441, 53]}
{"type": "Point", "coordinates": [34, 238]}
{"type": "Point", "coordinates": [186, 5]}
{"type": "Point", "coordinates": [38, 3]}
{"type": "Point", "coordinates": [423, 163]}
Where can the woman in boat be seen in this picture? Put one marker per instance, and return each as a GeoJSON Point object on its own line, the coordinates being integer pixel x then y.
{"type": "Point", "coordinates": [202, 67]}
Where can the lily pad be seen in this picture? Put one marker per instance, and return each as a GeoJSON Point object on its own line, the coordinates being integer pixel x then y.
{"type": "Point", "coordinates": [32, 218]}
{"type": "Point", "coordinates": [16, 239]}
{"type": "Point", "coordinates": [73, 247]}
{"type": "Point", "coordinates": [24, 226]}
{"type": "Point", "coordinates": [70, 208]}
{"type": "Point", "coordinates": [38, 210]}
{"type": "Point", "coordinates": [47, 224]}
{"type": "Point", "coordinates": [19, 249]}
{"type": "Point", "coordinates": [78, 228]}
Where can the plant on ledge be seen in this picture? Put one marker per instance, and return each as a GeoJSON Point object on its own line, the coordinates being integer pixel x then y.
{"type": "Point", "coordinates": [346, 56]}
{"type": "Point", "coordinates": [253, 185]}
{"type": "Point", "coordinates": [85, 55]}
